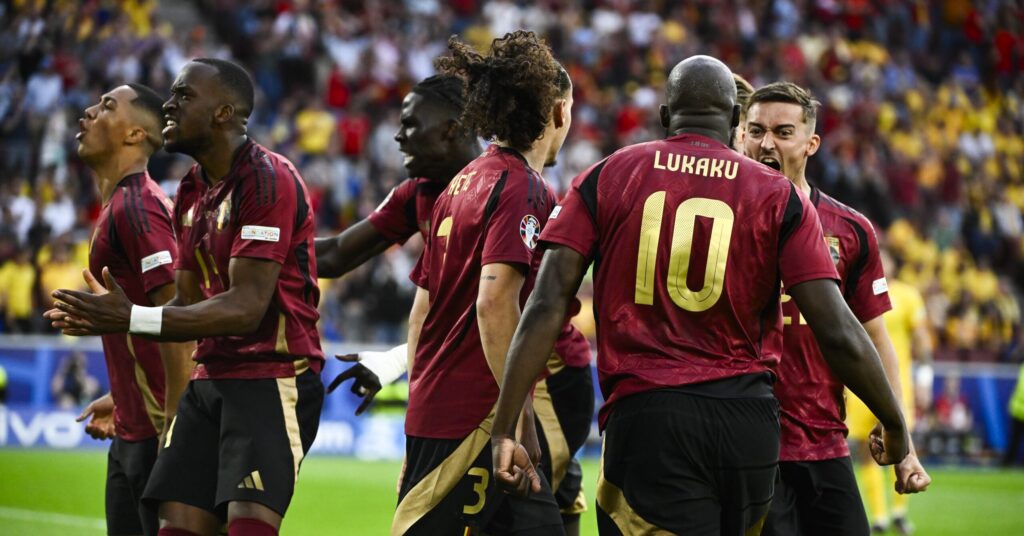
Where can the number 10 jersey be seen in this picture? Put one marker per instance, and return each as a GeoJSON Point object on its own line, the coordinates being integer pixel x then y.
{"type": "Point", "coordinates": [690, 241]}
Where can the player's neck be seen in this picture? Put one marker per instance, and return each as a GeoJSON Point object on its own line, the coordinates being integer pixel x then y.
{"type": "Point", "coordinates": [535, 156]}
{"type": "Point", "coordinates": [216, 161]}
{"type": "Point", "coordinates": [801, 182]}
{"type": "Point", "coordinates": [110, 173]}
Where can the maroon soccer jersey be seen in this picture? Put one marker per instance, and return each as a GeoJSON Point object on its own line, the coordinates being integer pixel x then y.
{"type": "Point", "coordinates": [689, 241]}
{"type": "Point", "coordinates": [810, 396]}
{"type": "Point", "coordinates": [134, 238]}
{"type": "Point", "coordinates": [260, 210]}
{"type": "Point", "coordinates": [491, 212]}
{"type": "Point", "coordinates": [407, 209]}
{"type": "Point", "coordinates": [186, 201]}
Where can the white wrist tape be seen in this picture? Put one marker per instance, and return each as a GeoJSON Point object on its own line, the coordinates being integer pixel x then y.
{"type": "Point", "coordinates": [146, 320]}
{"type": "Point", "coordinates": [388, 365]}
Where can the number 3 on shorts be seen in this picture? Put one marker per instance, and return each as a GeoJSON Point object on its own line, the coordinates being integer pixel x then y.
{"type": "Point", "coordinates": [722, 219]}
{"type": "Point", "coordinates": [480, 488]}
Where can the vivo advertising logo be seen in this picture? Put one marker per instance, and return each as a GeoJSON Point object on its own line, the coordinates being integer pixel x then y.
{"type": "Point", "coordinates": [54, 429]}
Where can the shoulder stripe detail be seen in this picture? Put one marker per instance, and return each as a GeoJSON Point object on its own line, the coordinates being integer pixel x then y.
{"type": "Point", "coordinates": [862, 259]}
{"type": "Point", "coordinates": [588, 188]}
{"type": "Point", "coordinates": [142, 205]}
{"type": "Point", "coordinates": [302, 258]}
{"type": "Point", "coordinates": [495, 197]}
{"type": "Point", "coordinates": [792, 216]}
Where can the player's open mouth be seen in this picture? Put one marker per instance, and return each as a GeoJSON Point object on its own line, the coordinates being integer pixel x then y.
{"type": "Point", "coordinates": [81, 129]}
{"type": "Point", "coordinates": [169, 124]}
{"type": "Point", "coordinates": [772, 163]}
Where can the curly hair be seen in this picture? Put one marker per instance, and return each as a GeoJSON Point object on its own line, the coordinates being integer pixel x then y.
{"type": "Point", "coordinates": [510, 91]}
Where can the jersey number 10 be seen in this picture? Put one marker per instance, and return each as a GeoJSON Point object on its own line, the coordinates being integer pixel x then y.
{"type": "Point", "coordinates": [722, 219]}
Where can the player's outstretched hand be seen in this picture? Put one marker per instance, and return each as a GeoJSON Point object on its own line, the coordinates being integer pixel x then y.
{"type": "Point", "coordinates": [513, 471]}
{"type": "Point", "coordinates": [889, 446]}
{"type": "Point", "coordinates": [911, 476]}
{"type": "Point", "coordinates": [59, 319]}
{"type": "Point", "coordinates": [103, 313]}
{"type": "Point", "coordinates": [102, 424]}
{"type": "Point", "coordinates": [365, 383]}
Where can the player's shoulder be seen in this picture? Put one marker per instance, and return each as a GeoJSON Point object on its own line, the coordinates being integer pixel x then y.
{"type": "Point", "coordinates": [829, 205]}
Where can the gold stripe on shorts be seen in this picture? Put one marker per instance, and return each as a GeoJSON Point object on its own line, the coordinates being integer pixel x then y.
{"type": "Point", "coordinates": [154, 410]}
{"type": "Point", "coordinates": [558, 446]}
{"type": "Point", "coordinates": [611, 499]}
{"type": "Point", "coordinates": [289, 400]}
{"type": "Point", "coordinates": [437, 484]}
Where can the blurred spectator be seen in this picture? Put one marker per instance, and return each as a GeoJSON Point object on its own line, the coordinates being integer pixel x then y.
{"type": "Point", "coordinates": [17, 281]}
{"type": "Point", "coordinates": [72, 386]}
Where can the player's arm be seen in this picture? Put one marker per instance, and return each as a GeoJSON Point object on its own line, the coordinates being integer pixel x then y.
{"type": "Point", "coordinates": [417, 316]}
{"type": "Point", "coordinates": [497, 312]}
{"type": "Point", "coordinates": [176, 358]}
{"type": "Point", "coordinates": [338, 255]}
{"type": "Point", "coordinates": [853, 358]}
{"type": "Point", "coordinates": [237, 311]}
{"type": "Point", "coordinates": [186, 286]}
{"type": "Point", "coordinates": [561, 271]}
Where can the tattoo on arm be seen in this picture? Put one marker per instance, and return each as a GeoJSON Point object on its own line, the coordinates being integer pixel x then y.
{"type": "Point", "coordinates": [489, 278]}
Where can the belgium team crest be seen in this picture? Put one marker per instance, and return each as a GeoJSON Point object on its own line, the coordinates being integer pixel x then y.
{"type": "Point", "coordinates": [833, 248]}
{"type": "Point", "coordinates": [529, 230]}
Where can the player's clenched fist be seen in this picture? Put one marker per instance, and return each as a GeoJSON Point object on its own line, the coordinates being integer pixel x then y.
{"type": "Point", "coordinates": [513, 471]}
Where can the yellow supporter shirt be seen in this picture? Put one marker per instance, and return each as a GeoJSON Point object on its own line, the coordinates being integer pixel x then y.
{"type": "Point", "coordinates": [314, 128]}
{"type": "Point", "coordinates": [16, 283]}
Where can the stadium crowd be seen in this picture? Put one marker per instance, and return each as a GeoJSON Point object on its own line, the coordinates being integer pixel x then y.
{"type": "Point", "coordinates": [922, 122]}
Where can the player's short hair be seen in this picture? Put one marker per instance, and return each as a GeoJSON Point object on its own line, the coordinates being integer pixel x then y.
{"type": "Point", "coordinates": [511, 91]}
{"type": "Point", "coordinates": [236, 80]}
{"type": "Point", "coordinates": [790, 93]}
{"type": "Point", "coordinates": [743, 90]}
{"type": "Point", "coordinates": [445, 90]}
{"type": "Point", "coordinates": [151, 104]}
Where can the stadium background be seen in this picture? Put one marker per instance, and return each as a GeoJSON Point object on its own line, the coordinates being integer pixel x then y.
{"type": "Point", "coordinates": [922, 125]}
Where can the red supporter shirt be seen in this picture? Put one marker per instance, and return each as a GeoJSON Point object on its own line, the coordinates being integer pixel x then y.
{"type": "Point", "coordinates": [689, 241]}
{"type": "Point", "coordinates": [407, 210]}
{"type": "Point", "coordinates": [134, 238]}
{"type": "Point", "coordinates": [810, 396]}
{"type": "Point", "coordinates": [259, 210]}
{"type": "Point", "coordinates": [491, 212]}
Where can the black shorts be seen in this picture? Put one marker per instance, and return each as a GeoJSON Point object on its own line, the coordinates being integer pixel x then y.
{"type": "Point", "coordinates": [129, 464]}
{"type": "Point", "coordinates": [238, 440]}
{"type": "Point", "coordinates": [817, 498]}
{"type": "Point", "coordinates": [448, 490]}
{"type": "Point", "coordinates": [564, 404]}
{"type": "Point", "coordinates": [688, 464]}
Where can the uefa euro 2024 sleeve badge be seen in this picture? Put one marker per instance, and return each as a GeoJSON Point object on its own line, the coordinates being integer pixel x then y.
{"type": "Point", "coordinates": [529, 230]}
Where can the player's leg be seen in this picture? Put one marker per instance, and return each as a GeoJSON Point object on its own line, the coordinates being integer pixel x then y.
{"type": "Point", "coordinates": [658, 467]}
{"type": "Point", "coordinates": [184, 478]}
{"type": "Point", "coordinates": [873, 478]}
{"type": "Point", "coordinates": [564, 404]}
{"type": "Point", "coordinates": [784, 514]}
{"type": "Point", "coordinates": [137, 459]}
{"type": "Point", "coordinates": [836, 507]}
{"type": "Point", "coordinates": [747, 463]}
{"type": "Point", "coordinates": [121, 508]}
{"type": "Point", "coordinates": [267, 427]}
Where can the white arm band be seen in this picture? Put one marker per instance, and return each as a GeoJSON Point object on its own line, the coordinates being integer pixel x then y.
{"type": "Point", "coordinates": [146, 320]}
{"type": "Point", "coordinates": [388, 365]}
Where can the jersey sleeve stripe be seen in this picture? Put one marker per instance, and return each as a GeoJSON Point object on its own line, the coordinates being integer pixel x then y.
{"type": "Point", "coordinates": [791, 217]}
{"type": "Point", "coordinates": [588, 189]}
{"type": "Point", "coordinates": [495, 197]}
{"type": "Point", "coordinates": [131, 205]}
{"type": "Point", "coordinates": [862, 258]}
{"type": "Point", "coordinates": [142, 205]}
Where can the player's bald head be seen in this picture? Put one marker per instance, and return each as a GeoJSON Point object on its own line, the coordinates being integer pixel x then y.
{"type": "Point", "coordinates": [701, 93]}
{"type": "Point", "coordinates": [701, 85]}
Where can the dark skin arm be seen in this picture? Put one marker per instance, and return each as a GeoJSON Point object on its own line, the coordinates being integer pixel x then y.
{"type": "Point", "coordinates": [176, 358]}
{"type": "Point", "coordinates": [852, 357]}
{"type": "Point", "coordinates": [338, 255]}
{"type": "Point", "coordinates": [561, 271]}
{"type": "Point", "coordinates": [237, 311]}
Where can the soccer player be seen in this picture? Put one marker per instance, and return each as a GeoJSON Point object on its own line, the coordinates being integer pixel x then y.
{"type": "Point", "coordinates": [437, 147]}
{"type": "Point", "coordinates": [474, 273]}
{"type": "Point", "coordinates": [690, 241]}
{"type": "Point", "coordinates": [134, 238]}
{"type": "Point", "coordinates": [252, 408]}
{"type": "Point", "coordinates": [817, 492]}
{"type": "Point", "coordinates": [907, 325]}
{"type": "Point", "coordinates": [743, 92]}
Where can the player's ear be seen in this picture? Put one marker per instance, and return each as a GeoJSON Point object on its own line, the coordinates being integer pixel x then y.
{"type": "Point", "coordinates": [559, 114]}
{"type": "Point", "coordinates": [813, 144]}
{"type": "Point", "coordinates": [224, 113]}
{"type": "Point", "coordinates": [135, 135]}
{"type": "Point", "coordinates": [452, 130]}
{"type": "Point", "coordinates": [663, 113]}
